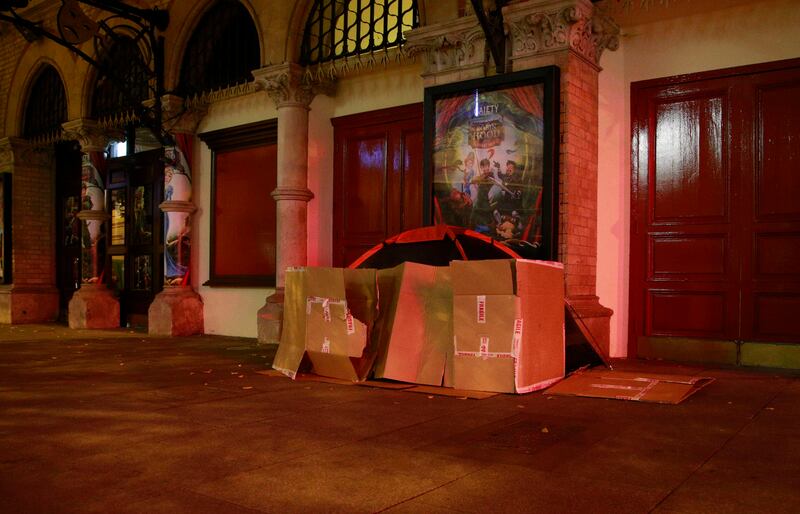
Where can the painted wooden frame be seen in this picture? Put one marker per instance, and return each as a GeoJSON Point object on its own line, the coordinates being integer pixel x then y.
{"type": "Point", "coordinates": [491, 158]}
{"type": "Point", "coordinates": [227, 142]}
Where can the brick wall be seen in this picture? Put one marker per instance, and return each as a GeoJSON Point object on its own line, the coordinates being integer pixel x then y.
{"type": "Point", "coordinates": [578, 175]}
{"type": "Point", "coordinates": [33, 230]}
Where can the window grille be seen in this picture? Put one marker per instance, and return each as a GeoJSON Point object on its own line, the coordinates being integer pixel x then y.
{"type": "Point", "coordinates": [341, 28]}
{"type": "Point", "coordinates": [222, 51]}
{"type": "Point", "coordinates": [125, 62]}
{"type": "Point", "coordinates": [46, 109]}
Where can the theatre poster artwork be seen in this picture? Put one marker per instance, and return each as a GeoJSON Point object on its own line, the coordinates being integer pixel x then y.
{"type": "Point", "coordinates": [488, 172]}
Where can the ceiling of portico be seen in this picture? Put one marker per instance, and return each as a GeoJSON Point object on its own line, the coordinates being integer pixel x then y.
{"type": "Point", "coordinates": [636, 12]}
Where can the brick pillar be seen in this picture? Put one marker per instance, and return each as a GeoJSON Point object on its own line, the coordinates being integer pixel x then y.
{"type": "Point", "coordinates": [94, 304]}
{"type": "Point", "coordinates": [177, 310]}
{"type": "Point", "coordinates": [32, 297]}
{"type": "Point", "coordinates": [292, 91]}
{"type": "Point", "coordinates": [571, 35]}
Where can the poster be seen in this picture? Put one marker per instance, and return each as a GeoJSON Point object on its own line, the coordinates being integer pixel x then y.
{"type": "Point", "coordinates": [492, 156]}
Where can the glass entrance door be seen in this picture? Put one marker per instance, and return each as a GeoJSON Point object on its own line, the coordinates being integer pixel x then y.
{"type": "Point", "coordinates": [135, 251]}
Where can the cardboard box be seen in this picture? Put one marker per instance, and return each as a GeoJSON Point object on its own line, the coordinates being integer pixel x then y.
{"type": "Point", "coordinates": [508, 322]}
{"type": "Point", "coordinates": [328, 313]}
{"type": "Point", "coordinates": [630, 385]}
{"type": "Point", "coordinates": [414, 329]}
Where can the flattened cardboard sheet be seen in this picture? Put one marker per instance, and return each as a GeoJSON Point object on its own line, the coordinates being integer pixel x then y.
{"type": "Point", "coordinates": [414, 330]}
{"type": "Point", "coordinates": [629, 385]}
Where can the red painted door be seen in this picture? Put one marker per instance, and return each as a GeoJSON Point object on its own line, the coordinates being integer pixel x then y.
{"type": "Point", "coordinates": [377, 178]}
{"type": "Point", "coordinates": [716, 206]}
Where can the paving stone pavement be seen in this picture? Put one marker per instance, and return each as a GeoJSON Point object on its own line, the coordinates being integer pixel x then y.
{"type": "Point", "coordinates": [118, 421]}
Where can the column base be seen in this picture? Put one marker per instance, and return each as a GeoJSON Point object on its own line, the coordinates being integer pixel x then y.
{"type": "Point", "coordinates": [176, 311]}
{"type": "Point", "coordinates": [596, 318]}
{"type": "Point", "coordinates": [93, 306]}
{"type": "Point", "coordinates": [27, 304]}
{"type": "Point", "coordinates": [270, 319]}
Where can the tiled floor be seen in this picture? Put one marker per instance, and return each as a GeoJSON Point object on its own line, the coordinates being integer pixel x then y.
{"type": "Point", "coordinates": [118, 422]}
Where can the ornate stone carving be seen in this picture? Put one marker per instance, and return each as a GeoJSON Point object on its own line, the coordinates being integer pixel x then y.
{"type": "Point", "coordinates": [18, 152]}
{"type": "Point", "coordinates": [289, 84]}
{"type": "Point", "coordinates": [92, 136]}
{"type": "Point", "coordinates": [542, 27]}
{"type": "Point", "coordinates": [454, 50]}
{"type": "Point", "coordinates": [180, 116]}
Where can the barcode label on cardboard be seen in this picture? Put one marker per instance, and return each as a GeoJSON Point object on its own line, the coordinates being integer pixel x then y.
{"type": "Point", "coordinates": [351, 327]}
{"type": "Point", "coordinates": [483, 349]}
{"type": "Point", "coordinates": [481, 300]}
{"type": "Point", "coordinates": [516, 340]}
{"type": "Point", "coordinates": [326, 345]}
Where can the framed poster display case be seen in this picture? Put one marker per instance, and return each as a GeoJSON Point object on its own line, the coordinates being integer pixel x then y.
{"type": "Point", "coordinates": [491, 158]}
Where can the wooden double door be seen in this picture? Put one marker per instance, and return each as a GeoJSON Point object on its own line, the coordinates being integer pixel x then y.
{"type": "Point", "coordinates": [377, 178]}
{"type": "Point", "coordinates": [715, 213]}
{"type": "Point", "coordinates": [135, 245]}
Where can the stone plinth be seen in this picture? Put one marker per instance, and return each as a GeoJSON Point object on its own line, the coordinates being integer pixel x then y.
{"type": "Point", "coordinates": [176, 311]}
{"type": "Point", "coordinates": [94, 306]}
{"type": "Point", "coordinates": [28, 304]}
{"type": "Point", "coordinates": [269, 320]}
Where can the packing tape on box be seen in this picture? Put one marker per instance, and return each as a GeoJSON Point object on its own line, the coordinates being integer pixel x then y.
{"type": "Point", "coordinates": [326, 345]}
{"type": "Point", "coordinates": [516, 339]}
{"type": "Point", "coordinates": [326, 305]}
{"type": "Point", "coordinates": [348, 320]}
{"type": "Point", "coordinates": [483, 350]}
{"type": "Point", "coordinates": [481, 305]}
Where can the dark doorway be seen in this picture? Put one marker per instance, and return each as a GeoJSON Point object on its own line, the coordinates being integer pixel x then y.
{"type": "Point", "coordinates": [715, 217]}
{"type": "Point", "coordinates": [377, 178]}
{"type": "Point", "coordinates": [135, 188]}
{"type": "Point", "coordinates": [68, 226]}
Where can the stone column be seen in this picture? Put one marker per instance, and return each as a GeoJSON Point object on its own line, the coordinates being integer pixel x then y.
{"type": "Point", "coordinates": [292, 91]}
{"type": "Point", "coordinates": [571, 34]}
{"type": "Point", "coordinates": [177, 310]}
{"type": "Point", "coordinates": [32, 297]}
{"type": "Point", "coordinates": [94, 304]}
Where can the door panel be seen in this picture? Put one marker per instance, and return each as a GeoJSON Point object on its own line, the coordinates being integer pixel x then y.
{"type": "Point", "coordinates": [377, 178]}
{"type": "Point", "coordinates": [136, 249]}
{"type": "Point", "coordinates": [715, 222]}
{"type": "Point", "coordinates": [688, 283]}
{"type": "Point", "coordinates": [689, 175]}
{"type": "Point", "coordinates": [771, 208]}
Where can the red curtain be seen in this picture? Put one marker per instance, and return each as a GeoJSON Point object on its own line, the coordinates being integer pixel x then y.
{"type": "Point", "coordinates": [185, 142]}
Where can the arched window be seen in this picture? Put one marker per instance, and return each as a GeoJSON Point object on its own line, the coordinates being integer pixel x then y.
{"type": "Point", "coordinates": [222, 51]}
{"type": "Point", "coordinates": [340, 28]}
{"type": "Point", "coordinates": [46, 108]}
{"type": "Point", "coordinates": [130, 86]}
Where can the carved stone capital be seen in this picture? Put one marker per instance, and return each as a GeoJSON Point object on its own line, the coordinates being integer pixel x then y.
{"type": "Point", "coordinates": [290, 84]}
{"type": "Point", "coordinates": [291, 193]}
{"type": "Point", "coordinates": [547, 26]}
{"type": "Point", "coordinates": [450, 51]}
{"type": "Point", "coordinates": [179, 116]}
{"type": "Point", "coordinates": [18, 152]}
{"type": "Point", "coordinates": [90, 135]}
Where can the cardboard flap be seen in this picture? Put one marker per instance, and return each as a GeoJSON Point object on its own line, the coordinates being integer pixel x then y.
{"type": "Point", "coordinates": [634, 386]}
{"type": "Point", "coordinates": [414, 323]}
{"type": "Point", "coordinates": [482, 277]}
{"type": "Point", "coordinates": [330, 328]}
{"type": "Point", "coordinates": [539, 277]}
{"type": "Point", "coordinates": [293, 335]}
